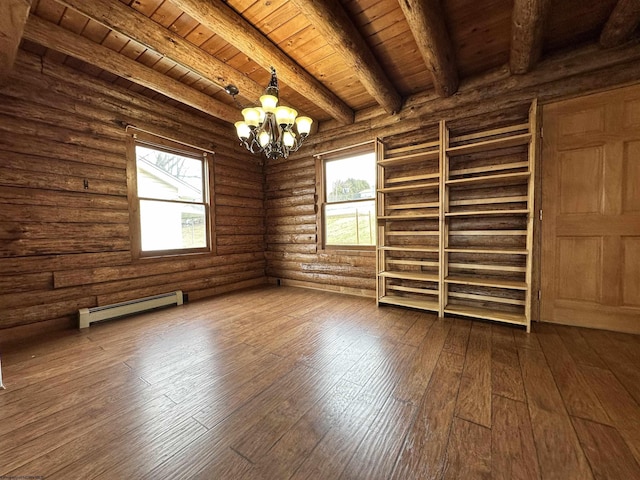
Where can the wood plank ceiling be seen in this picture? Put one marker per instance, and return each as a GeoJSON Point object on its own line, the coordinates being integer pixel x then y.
{"type": "Point", "coordinates": [334, 57]}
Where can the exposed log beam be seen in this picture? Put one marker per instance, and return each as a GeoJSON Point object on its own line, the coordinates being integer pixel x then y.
{"type": "Point", "coordinates": [13, 15]}
{"type": "Point", "coordinates": [335, 25]}
{"type": "Point", "coordinates": [426, 21]}
{"type": "Point", "coordinates": [57, 38]}
{"type": "Point", "coordinates": [621, 23]}
{"type": "Point", "coordinates": [527, 29]}
{"type": "Point", "coordinates": [116, 16]}
{"type": "Point", "coordinates": [224, 21]}
{"type": "Point", "coordinates": [571, 73]}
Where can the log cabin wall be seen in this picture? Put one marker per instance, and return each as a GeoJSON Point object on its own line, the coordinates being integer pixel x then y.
{"type": "Point", "coordinates": [66, 247]}
{"type": "Point", "coordinates": [293, 256]}
{"type": "Point", "coordinates": [481, 103]}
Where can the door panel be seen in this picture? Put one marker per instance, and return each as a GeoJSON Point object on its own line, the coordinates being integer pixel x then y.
{"type": "Point", "coordinates": [580, 178]}
{"type": "Point", "coordinates": [590, 269]}
{"type": "Point", "coordinates": [579, 257]}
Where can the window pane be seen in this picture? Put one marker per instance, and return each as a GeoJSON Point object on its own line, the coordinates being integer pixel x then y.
{"type": "Point", "coordinates": [351, 223]}
{"type": "Point", "coordinates": [169, 226]}
{"type": "Point", "coordinates": [351, 178]}
{"type": "Point", "coordinates": [168, 176]}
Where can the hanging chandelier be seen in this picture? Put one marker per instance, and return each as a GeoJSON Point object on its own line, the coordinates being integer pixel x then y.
{"type": "Point", "coordinates": [269, 128]}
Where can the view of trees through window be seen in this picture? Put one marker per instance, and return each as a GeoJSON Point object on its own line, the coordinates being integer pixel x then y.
{"type": "Point", "coordinates": [172, 203]}
{"type": "Point", "coordinates": [349, 213]}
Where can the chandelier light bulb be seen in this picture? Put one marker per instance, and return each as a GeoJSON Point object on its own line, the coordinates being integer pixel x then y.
{"type": "Point", "coordinates": [304, 125]}
{"type": "Point", "coordinates": [269, 103]}
{"type": "Point", "coordinates": [251, 117]}
{"type": "Point", "coordinates": [288, 138]}
{"type": "Point", "coordinates": [264, 138]}
{"type": "Point", "coordinates": [292, 116]}
{"type": "Point", "coordinates": [243, 130]}
{"type": "Point", "coordinates": [282, 116]}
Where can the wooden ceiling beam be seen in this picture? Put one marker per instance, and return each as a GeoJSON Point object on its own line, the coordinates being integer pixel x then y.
{"type": "Point", "coordinates": [13, 15]}
{"type": "Point", "coordinates": [57, 38]}
{"type": "Point", "coordinates": [226, 22]}
{"type": "Point", "coordinates": [334, 24]}
{"type": "Point", "coordinates": [426, 21]}
{"type": "Point", "coordinates": [527, 30]}
{"type": "Point", "coordinates": [621, 24]}
{"type": "Point", "coordinates": [127, 21]}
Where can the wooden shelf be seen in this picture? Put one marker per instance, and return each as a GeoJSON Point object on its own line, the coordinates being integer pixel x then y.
{"type": "Point", "coordinates": [408, 261]}
{"type": "Point", "coordinates": [505, 142]}
{"type": "Point", "coordinates": [410, 158]}
{"type": "Point", "coordinates": [410, 217]}
{"type": "Point", "coordinates": [486, 233]}
{"type": "Point", "coordinates": [486, 282]}
{"type": "Point", "coordinates": [421, 291]}
{"type": "Point", "coordinates": [420, 276]}
{"type": "Point", "coordinates": [466, 311]}
{"type": "Point", "coordinates": [497, 251]}
{"type": "Point", "coordinates": [490, 180]}
{"type": "Point", "coordinates": [484, 213]}
{"type": "Point", "coordinates": [415, 233]}
{"type": "Point", "coordinates": [488, 201]}
{"type": "Point", "coordinates": [487, 298]}
{"type": "Point", "coordinates": [413, 206]}
{"type": "Point", "coordinates": [422, 304]}
{"type": "Point", "coordinates": [413, 178]}
{"type": "Point", "coordinates": [410, 249]}
{"type": "Point", "coordinates": [489, 168]}
{"type": "Point", "coordinates": [410, 188]}
{"type": "Point", "coordinates": [485, 198]}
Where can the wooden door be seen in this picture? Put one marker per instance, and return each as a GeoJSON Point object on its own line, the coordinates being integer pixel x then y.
{"type": "Point", "coordinates": [591, 211]}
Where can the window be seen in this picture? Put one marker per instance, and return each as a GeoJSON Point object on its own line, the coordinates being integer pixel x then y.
{"type": "Point", "coordinates": [348, 206]}
{"type": "Point", "coordinates": [170, 198]}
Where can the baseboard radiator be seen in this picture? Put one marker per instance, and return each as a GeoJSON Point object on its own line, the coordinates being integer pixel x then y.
{"type": "Point", "coordinates": [88, 316]}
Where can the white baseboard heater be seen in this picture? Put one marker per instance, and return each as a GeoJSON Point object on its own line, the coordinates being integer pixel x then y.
{"type": "Point", "coordinates": [90, 315]}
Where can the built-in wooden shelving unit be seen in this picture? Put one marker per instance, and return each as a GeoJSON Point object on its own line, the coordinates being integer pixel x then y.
{"type": "Point", "coordinates": [409, 217]}
{"type": "Point", "coordinates": [455, 222]}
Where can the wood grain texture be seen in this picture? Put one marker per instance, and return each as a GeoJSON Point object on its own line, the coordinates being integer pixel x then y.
{"type": "Point", "coordinates": [14, 17]}
{"type": "Point", "coordinates": [474, 396]}
{"type": "Point", "coordinates": [429, 30]}
{"type": "Point", "coordinates": [469, 451]}
{"type": "Point", "coordinates": [45, 33]}
{"type": "Point", "coordinates": [618, 462]}
{"type": "Point", "coordinates": [558, 448]}
{"type": "Point", "coordinates": [527, 30]}
{"type": "Point", "coordinates": [130, 23]}
{"type": "Point", "coordinates": [75, 134]}
{"type": "Point", "coordinates": [578, 398]}
{"type": "Point", "coordinates": [423, 454]}
{"type": "Point", "coordinates": [513, 451]}
{"type": "Point", "coordinates": [282, 382]}
{"type": "Point", "coordinates": [337, 28]}
{"type": "Point", "coordinates": [221, 18]}
{"type": "Point", "coordinates": [621, 24]}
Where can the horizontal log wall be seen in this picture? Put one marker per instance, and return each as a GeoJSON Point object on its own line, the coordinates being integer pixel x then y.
{"type": "Point", "coordinates": [64, 247]}
{"type": "Point", "coordinates": [491, 99]}
{"type": "Point", "coordinates": [293, 256]}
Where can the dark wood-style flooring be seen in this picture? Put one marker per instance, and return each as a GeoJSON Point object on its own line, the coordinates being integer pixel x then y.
{"type": "Point", "coordinates": [280, 383]}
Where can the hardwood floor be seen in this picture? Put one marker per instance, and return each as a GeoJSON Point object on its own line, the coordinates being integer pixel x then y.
{"type": "Point", "coordinates": [278, 383]}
